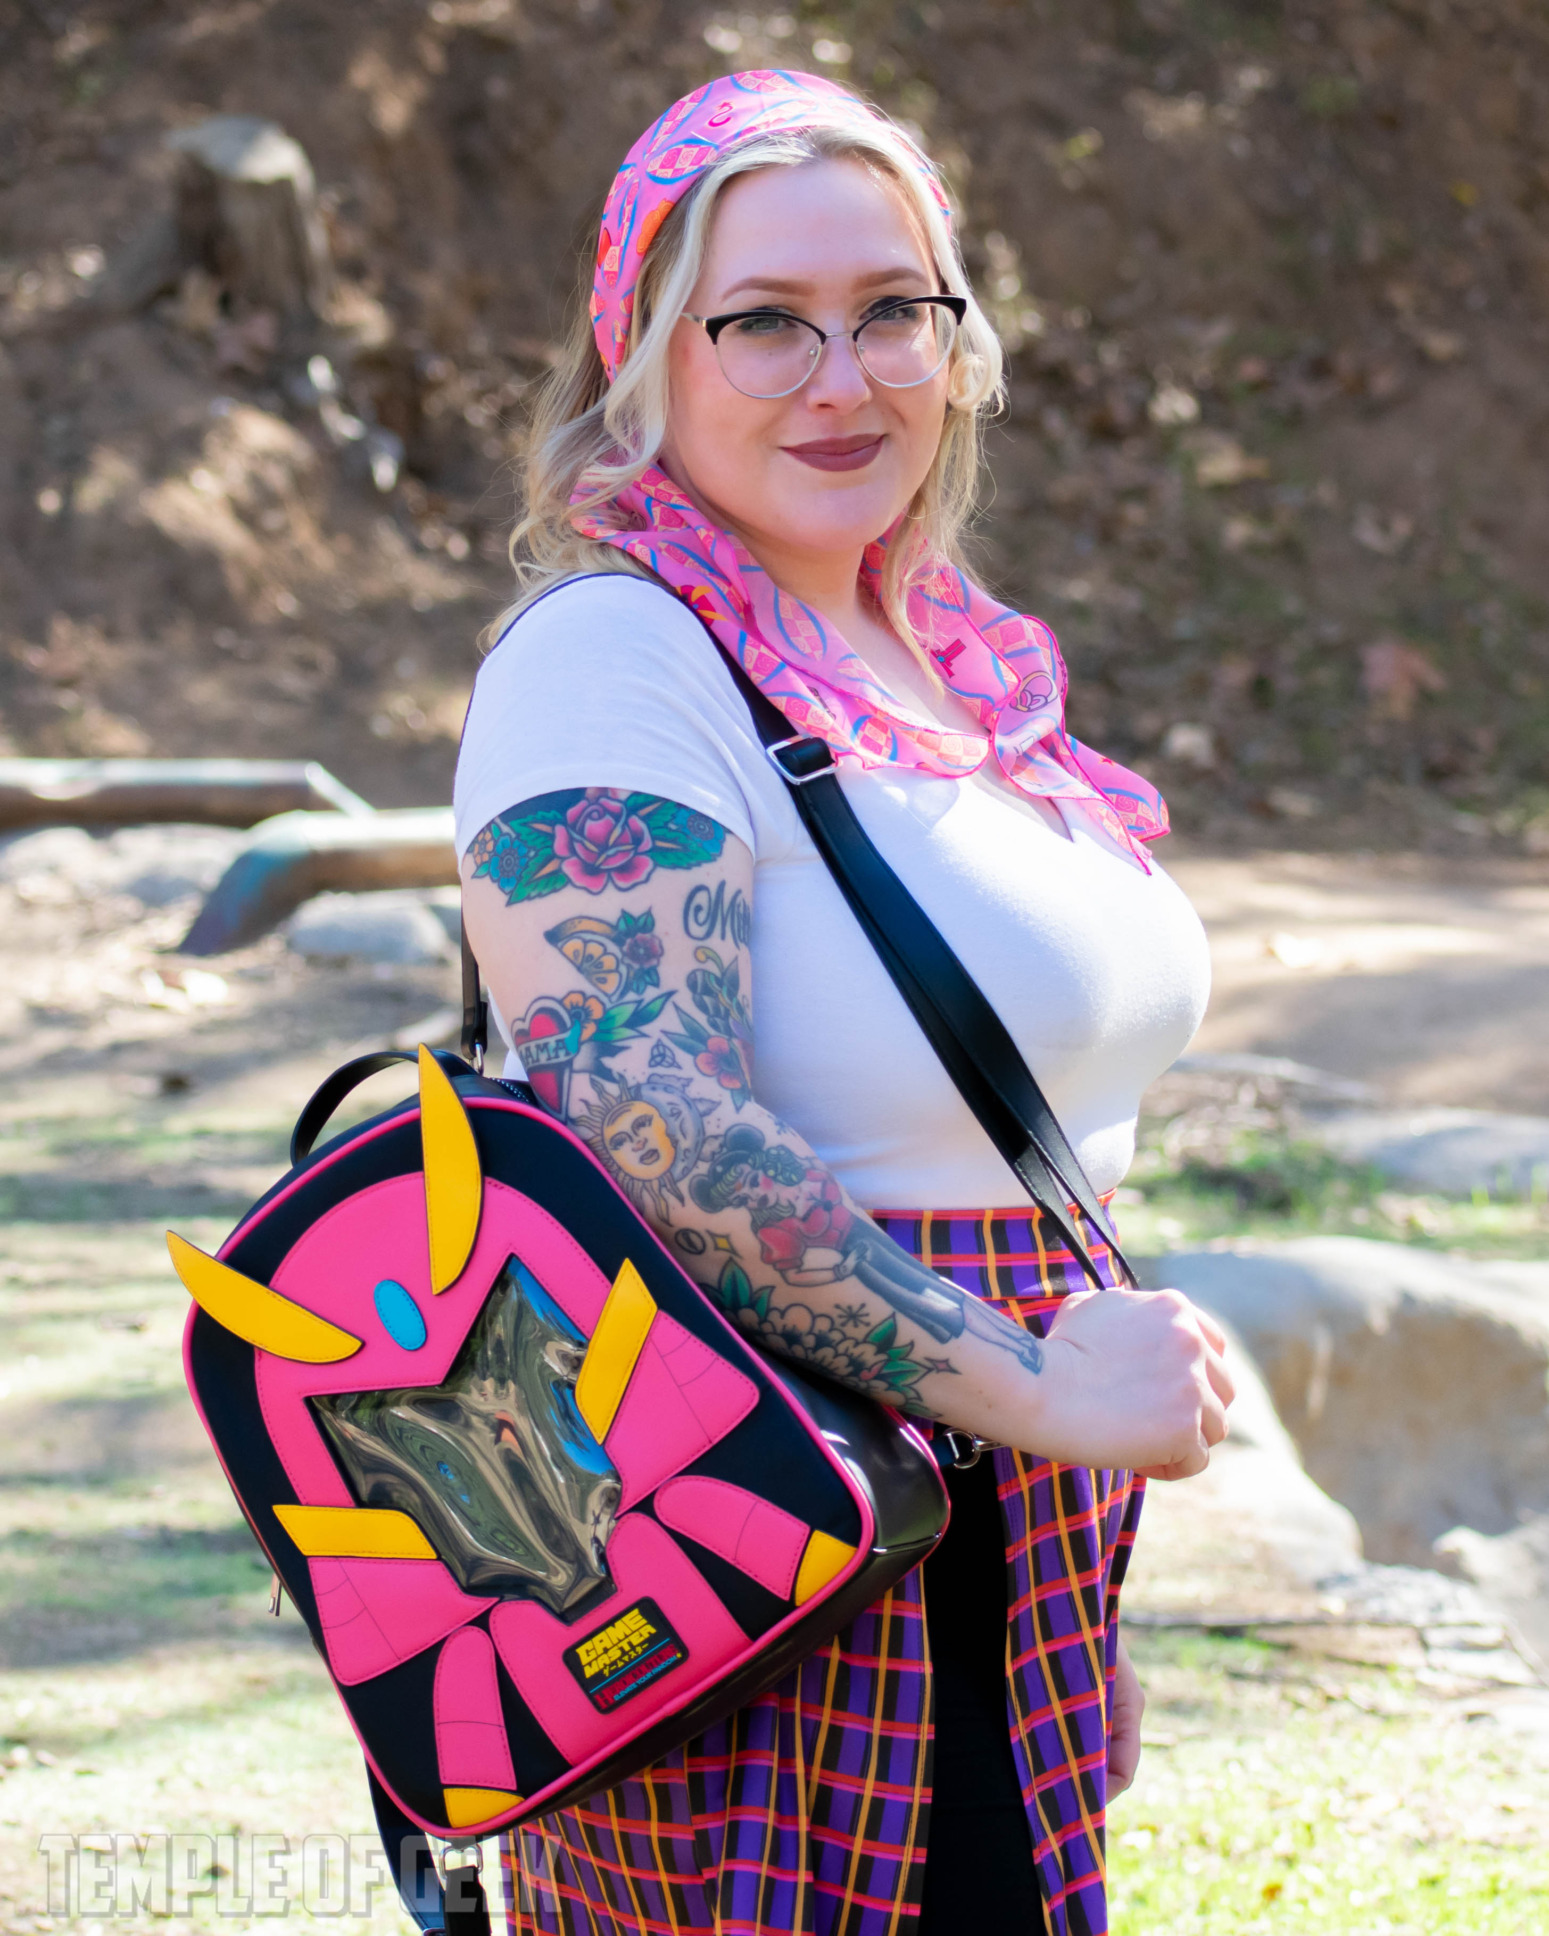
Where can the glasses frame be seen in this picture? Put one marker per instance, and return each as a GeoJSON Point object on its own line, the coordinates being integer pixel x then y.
{"type": "Point", "coordinates": [955, 306]}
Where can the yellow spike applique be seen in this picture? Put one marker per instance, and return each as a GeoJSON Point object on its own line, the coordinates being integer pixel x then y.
{"type": "Point", "coordinates": [467, 1806]}
{"type": "Point", "coordinates": [454, 1183]}
{"type": "Point", "coordinates": [824, 1558]}
{"type": "Point", "coordinates": [614, 1349]}
{"type": "Point", "coordinates": [354, 1533]}
{"type": "Point", "coordinates": [256, 1314]}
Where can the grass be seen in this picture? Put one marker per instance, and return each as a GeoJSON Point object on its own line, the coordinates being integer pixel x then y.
{"type": "Point", "coordinates": [1286, 1796]}
{"type": "Point", "coordinates": [1256, 1184]}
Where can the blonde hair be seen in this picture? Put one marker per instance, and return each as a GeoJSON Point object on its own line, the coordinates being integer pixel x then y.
{"type": "Point", "coordinates": [590, 439]}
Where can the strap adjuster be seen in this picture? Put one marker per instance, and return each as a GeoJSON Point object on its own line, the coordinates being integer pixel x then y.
{"type": "Point", "coordinates": [795, 777]}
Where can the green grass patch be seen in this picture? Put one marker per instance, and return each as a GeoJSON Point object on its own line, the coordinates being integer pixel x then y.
{"type": "Point", "coordinates": [1284, 1795]}
{"type": "Point", "coordinates": [1263, 1186]}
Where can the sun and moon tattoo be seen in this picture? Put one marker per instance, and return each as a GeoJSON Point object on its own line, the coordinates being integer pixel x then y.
{"type": "Point", "coordinates": [656, 1131]}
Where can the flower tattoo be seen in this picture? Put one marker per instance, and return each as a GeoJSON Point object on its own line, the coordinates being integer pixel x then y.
{"type": "Point", "coordinates": [722, 1043]}
{"type": "Point", "coordinates": [844, 1344]}
{"type": "Point", "coordinates": [592, 838]}
{"type": "Point", "coordinates": [600, 843]}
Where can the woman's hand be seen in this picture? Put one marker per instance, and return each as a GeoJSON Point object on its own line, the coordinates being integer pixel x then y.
{"type": "Point", "coordinates": [1133, 1378]}
{"type": "Point", "coordinates": [1129, 1703]}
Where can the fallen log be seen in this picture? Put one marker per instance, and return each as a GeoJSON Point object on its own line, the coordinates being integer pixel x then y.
{"type": "Point", "coordinates": [297, 855]}
{"type": "Point", "coordinates": [221, 793]}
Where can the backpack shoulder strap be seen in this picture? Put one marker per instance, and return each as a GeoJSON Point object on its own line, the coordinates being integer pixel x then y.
{"type": "Point", "coordinates": [955, 1015]}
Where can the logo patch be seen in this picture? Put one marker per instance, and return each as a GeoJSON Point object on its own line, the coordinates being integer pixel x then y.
{"type": "Point", "coordinates": [624, 1658]}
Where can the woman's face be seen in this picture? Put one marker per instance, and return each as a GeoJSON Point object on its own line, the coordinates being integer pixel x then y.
{"type": "Point", "coordinates": [829, 468]}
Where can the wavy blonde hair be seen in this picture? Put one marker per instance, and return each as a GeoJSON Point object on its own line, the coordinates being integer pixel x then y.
{"type": "Point", "coordinates": [590, 439]}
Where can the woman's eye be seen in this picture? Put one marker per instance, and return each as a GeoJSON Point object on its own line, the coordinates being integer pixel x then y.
{"type": "Point", "coordinates": [770, 325]}
{"type": "Point", "coordinates": [906, 314]}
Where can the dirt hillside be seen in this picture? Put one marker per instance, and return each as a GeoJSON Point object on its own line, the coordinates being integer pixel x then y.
{"type": "Point", "coordinates": [1275, 277]}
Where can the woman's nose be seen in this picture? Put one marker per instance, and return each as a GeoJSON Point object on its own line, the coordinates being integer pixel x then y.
{"type": "Point", "coordinates": [838, 382]}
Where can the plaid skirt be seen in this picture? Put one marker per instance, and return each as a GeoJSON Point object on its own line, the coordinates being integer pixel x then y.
{"type": "Point", "coordinates": [807, 1813]}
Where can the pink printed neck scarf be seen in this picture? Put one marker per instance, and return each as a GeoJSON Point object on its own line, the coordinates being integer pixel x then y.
{"type": "Point", "coordinates": [1007, 667]}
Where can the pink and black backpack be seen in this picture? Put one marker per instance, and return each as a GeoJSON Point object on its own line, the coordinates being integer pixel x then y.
{"type": "Point", "coordinates": [545, 1513]}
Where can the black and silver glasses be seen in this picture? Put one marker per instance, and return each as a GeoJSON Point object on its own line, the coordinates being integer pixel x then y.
{"type": "Point", "coordinates": [771, 353]}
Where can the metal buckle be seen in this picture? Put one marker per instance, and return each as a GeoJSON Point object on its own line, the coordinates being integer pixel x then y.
{"type": "Point", "coordinates": [463, 1855]}
{"type": "Point", "coordinates": [964, 1456]}
{"type": "Point", "coordinates": [800, 739]}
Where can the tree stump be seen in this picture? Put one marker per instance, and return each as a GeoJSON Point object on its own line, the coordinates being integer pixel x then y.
{"type": "Point", "coordinates": [247, 213]}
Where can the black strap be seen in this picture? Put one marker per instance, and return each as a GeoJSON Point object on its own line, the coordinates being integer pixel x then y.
{"type": "Point", "coordinates": [956, 1017]}
{"type": "Point", "coordinates": [332, 1090]}
{"type": "Point", "coordinates": [475, 1036]}
{"type": "Point", "coordinates": [459, 1908]}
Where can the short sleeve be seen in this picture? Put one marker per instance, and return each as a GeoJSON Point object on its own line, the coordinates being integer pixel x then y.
{"type": "Point", "coordinates": [608, 681]}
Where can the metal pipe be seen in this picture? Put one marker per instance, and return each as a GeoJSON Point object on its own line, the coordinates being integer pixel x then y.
{"type": "Point", "coordinates": [296, 855]}
{"type": "Point", "coordinates": [223, 793]}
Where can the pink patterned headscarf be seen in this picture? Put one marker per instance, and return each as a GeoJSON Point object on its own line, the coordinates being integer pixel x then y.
{"type": "Point", "coordinates": [1006, 666]}
{"type": "Point", "coordinates": [676, 150]}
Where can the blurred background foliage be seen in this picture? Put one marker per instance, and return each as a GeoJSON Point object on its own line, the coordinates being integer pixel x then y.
{"type": "Point", "coordinates": [1274, 276]}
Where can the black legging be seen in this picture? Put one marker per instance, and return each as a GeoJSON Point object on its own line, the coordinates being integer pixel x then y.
{"type": "Point", "coordinates": [979, 1874]}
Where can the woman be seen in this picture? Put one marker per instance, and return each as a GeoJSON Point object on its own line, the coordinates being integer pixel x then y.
{"type": "Point", "coordinates": [763, 442]}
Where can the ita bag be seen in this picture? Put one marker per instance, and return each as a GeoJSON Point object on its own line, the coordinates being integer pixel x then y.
{"type": "Point", "coordinates": [545, 1513]}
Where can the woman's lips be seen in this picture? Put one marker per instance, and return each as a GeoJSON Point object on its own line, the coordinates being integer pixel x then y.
{"type": "Point", "coordinates": [836, 453]}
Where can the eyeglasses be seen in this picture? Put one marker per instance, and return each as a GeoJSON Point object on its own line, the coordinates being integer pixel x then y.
{"type": "Point", "coordinates": [770, 353]}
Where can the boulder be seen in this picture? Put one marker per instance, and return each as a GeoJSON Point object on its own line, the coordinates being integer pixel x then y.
{"type": "Point", "coordinates": [154, 865]}
{"type": "Point", "coordinates": [1414, 1384]}
{"type": "Point", "coordinates": [1453, 1151]}
{"type": "Point", "coordinates": [1257, 1477]}
{"type": "Point", "coordinates": [406, 929]}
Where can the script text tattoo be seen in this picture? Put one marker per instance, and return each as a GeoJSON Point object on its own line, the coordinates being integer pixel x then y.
{"type": "Point", "coordinates": [712, 915]}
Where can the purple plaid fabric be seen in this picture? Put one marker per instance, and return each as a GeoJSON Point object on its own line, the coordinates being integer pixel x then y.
{"type": "Point", "coordinates": [808, 1811]}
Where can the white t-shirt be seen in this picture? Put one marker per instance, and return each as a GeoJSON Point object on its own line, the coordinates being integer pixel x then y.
{"type": "Point", "coordinates": [1098, 969]}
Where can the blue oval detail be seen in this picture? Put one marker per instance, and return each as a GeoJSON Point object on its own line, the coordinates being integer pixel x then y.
{"type": "Point", "coordinates": [400, 1315]}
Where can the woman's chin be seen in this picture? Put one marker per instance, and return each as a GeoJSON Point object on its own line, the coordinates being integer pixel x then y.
{"type": "Point", "coordinates": [827, 513]}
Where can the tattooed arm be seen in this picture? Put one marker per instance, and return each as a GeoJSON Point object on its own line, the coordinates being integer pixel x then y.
{"type": "Point", "coordinates": [613, 930]}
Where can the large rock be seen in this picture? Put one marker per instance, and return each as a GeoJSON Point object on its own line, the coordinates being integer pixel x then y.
{"type": "Point", "coordinates": [154, 865]}
{"type": "Point", "coordinates": [1258, 1477]}
{"type": "Point", "coordinates": [403, 928]}
{"type": "Point", "coordinates": [1413, 1384]}
{"type": "Point", "coordinates": [1453, 1151]}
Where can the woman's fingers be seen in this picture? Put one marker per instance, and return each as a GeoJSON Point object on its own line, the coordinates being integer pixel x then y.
{"type": "Point", "coordinates": [1185, 1468]}
{"type": "Point", "coordinates": [1129, 1706]}
{"type": "Point", "coordinates": [1222, 1382]}
{"type": "Point", "coordinates": [1214, 1336]}
{"type": "Point", "coordinates": [1134, 1378]}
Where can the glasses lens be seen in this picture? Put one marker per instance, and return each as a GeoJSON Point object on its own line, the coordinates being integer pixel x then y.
{"type": "Point", "coordinates": [907, 343]}
{"type": "Point", "coordinates": [767, 356]}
